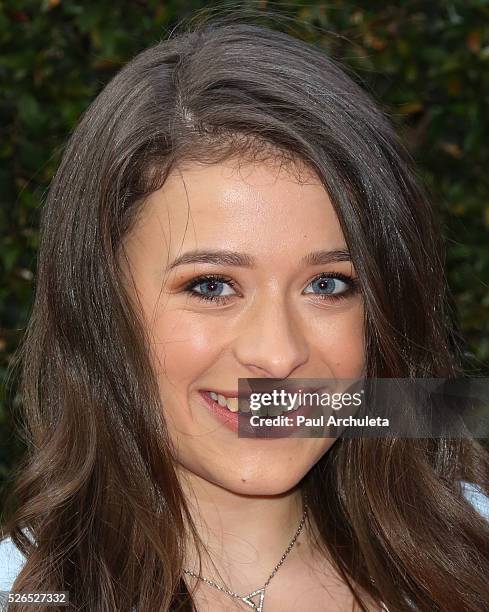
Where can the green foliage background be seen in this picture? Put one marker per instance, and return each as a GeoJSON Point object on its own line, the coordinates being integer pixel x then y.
{"type": "Point", "coordinates": [426, 62]}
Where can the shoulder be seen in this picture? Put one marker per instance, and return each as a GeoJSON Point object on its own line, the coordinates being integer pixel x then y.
{"type": "Point", "coordinates": [11, 562]}
{"type": "Point", "coordinates": [474, 494]}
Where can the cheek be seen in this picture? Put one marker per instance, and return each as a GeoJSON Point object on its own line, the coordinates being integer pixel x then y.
{"type": "Point", "coordinates": [185, 345]}
{"type": "Point", "coordinates": [342, 344]}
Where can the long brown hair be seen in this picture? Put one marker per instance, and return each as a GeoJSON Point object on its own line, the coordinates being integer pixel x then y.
{"type": "Point", "coordinates": [98, 489]}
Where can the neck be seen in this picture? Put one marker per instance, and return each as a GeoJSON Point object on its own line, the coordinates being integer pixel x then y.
{"type": "Point", "coordinates": [243, 536]}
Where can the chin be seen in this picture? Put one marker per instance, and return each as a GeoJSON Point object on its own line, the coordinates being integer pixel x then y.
{"type": "Point", "coordinates": [264, 487]}
{"type": "Point", "coordinates": [273, 482]}
{"type": "Point", "coordinates": [262, 473]}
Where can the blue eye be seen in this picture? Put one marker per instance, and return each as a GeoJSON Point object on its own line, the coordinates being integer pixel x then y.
{"type": "Point", "coordinates": [332, 287]}
{"type": "Point", "coordinates": [210, 284]}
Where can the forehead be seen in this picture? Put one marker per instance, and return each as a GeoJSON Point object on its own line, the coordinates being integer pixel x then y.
{"type": "Point", "coordinates": [266, 208]}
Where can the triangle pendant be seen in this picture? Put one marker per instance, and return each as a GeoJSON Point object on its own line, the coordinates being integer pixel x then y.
{"type": "Point", "coordinates": [256, 606]}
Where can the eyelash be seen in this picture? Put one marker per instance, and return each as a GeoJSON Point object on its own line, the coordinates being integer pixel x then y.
{"type": "Point", "coordinates": [349, 280]}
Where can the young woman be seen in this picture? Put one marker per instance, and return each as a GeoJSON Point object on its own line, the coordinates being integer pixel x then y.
{"type": "Point", "coordinates": [233, 206]}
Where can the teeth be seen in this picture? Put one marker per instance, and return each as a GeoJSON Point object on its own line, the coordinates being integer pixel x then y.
{"type": "Point", "coordinates": [231, 403]}
{"type": "Point", "coordinates": [294, 405]}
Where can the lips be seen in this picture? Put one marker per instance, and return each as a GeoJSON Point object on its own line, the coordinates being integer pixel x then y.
{"type": "Point", "coordinates": [264, 389]}
{"type": "Point", "coordinates": [222, 414]}
{"type": "Point", "coordinates": [240, 421]}
{"type": "Point", "coordinates": [240, 402]}
{"type": "Point", "coordinates": [232, 405]}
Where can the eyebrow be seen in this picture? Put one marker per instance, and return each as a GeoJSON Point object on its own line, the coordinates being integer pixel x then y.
{"type": "Point", "coordinates": [243, 260]}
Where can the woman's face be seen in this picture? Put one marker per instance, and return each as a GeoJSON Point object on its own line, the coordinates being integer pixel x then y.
{"type": "Point", "coordinates": [273, 318]}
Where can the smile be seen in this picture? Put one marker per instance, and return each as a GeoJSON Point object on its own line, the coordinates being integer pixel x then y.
{"type": "Point", "coordinates": [242, 405]}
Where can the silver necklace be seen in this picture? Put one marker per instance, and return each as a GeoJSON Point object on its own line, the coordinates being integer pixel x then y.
{"type": "Point", "coordinates": [259, 593]}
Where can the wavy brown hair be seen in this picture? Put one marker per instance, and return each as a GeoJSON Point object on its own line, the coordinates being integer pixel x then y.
{"type": "Point", "coordinates": [98, 490]}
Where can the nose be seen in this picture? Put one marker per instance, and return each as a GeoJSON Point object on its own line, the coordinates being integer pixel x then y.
{"type": "Point", "coordinates": [271, 341]}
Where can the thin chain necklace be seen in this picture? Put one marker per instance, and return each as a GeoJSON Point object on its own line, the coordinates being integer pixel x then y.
{"type": "Point", "coordinates": [259, 593]}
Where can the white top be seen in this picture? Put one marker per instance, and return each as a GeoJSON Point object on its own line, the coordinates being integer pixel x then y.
{"type": "Point", "coordinates": [12, 560]}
